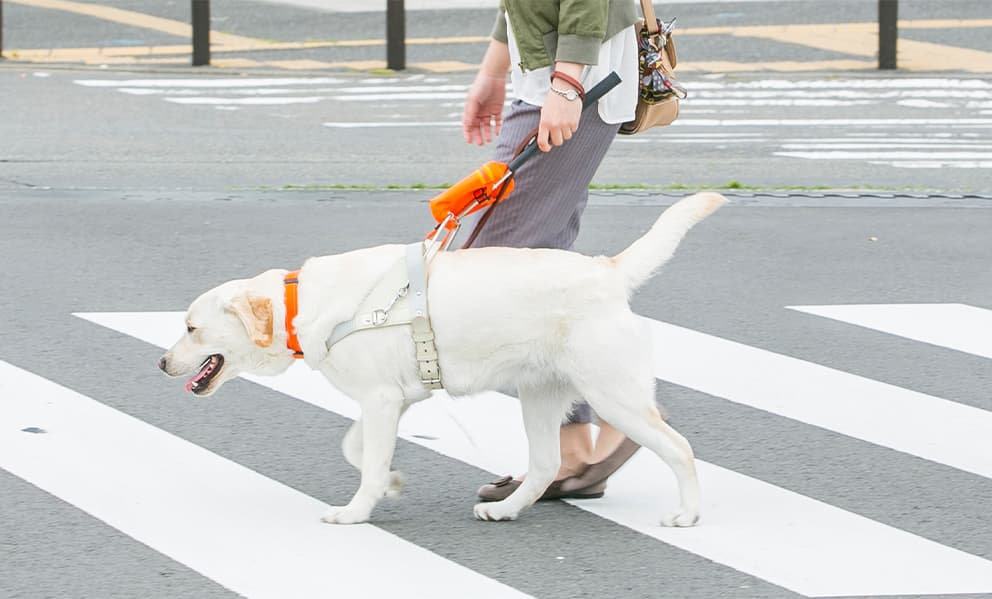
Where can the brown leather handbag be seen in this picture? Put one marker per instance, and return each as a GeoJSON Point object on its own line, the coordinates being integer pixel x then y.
{"type": "Point", "coordinates": [658, 92]}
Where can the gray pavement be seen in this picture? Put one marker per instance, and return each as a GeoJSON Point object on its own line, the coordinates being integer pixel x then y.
{"type": "Point", "coordinates": [136, 189]}
{"type": "Point", "coordinates": [732, 278]}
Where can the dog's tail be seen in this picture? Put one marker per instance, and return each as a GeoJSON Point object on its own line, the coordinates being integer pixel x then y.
{"type": "Point", "coordinates": [646, 255]}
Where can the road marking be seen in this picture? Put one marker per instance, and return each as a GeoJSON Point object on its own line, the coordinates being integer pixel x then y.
{"type": "Point", "coordinates": [786, 538]}
{"type": "Point", "coordinates": [840, 122]}
{"type": "Point", "coordinates": [136, 19]}
{"type": "Point", "coordinates": [218, 83]}
{"type": "Point", "coordinates": [956, 326]}
{"type": "Point", "coordinates": [249, 533]}
{"type": "Point", "coordinates": [937, 143]}
{"type": "Point", "coordinates": [889, 155]}
{"type": "Point", "coordinates": [380, 125]}
{"type": "Point", "coordinates": [861, 39]}
{"type": "Point", "coordinates": [266, 101]}
{"type": "Point", "coordinates": [937, 163]}
{"type": "Point", "coordinates": [895, 143]}
{"type": "Point", "coordinates": [925, 426]}
{"type": "Point", "coordinates": [857, 39]}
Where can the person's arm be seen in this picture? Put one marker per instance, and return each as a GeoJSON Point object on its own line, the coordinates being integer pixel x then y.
{"type": "Point", "coordinates": [559, 115]}
{"type": "Point", "coordinates": [581, 27]}
{"type": "Point", "coordinates": [483, 116]}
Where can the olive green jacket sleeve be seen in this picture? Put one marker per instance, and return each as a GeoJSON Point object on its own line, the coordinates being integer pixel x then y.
{"type": "Point", "coordinates": [567, 30]}
{"type": "Point", "coordinates": [581, 30]}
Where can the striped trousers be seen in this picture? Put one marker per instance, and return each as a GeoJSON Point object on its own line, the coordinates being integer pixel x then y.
{"type": "Point", "coordinates": [550, 190]}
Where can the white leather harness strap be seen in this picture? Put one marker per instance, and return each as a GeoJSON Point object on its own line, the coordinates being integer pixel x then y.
{"type": "Point", "coordinates": [423, 334]}
{"type": "Point", "coordinates": [400, 298]}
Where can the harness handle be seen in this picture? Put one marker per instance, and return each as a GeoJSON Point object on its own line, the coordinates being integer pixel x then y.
{"type": "Point", "coordinates": [592, 96]}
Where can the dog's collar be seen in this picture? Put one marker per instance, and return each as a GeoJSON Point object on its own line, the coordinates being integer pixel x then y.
{"type": "Point", "coordinates": [290, 283]}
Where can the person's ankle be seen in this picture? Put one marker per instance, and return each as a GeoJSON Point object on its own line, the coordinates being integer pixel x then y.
{"type": "Point", "coordinates": [572, 464]}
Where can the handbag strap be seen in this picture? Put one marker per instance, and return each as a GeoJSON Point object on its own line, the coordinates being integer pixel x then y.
{"type": "Point", "coordinates": [650, 21]}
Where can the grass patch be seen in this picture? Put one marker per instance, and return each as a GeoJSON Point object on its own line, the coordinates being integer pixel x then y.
{"type": "Point", "coordinates": [729, 185]}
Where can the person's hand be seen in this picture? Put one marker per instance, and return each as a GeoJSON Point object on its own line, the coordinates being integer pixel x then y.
{"type": "Point", "coordinates": [483, 116]}
{"type": "Point", "coordinates": [559, 120]}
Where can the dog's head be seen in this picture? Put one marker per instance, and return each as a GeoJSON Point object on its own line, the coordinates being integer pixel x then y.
{"type": "Point", "coordinates": [229, 330]}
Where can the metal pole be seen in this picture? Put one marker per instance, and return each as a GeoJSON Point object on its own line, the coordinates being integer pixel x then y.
{"type": "Point", "coordinates": [1, 29]}
{"type": "Point", "coordinates": [395, 35]}
{"type": "Point", "coordinates": [201, 32]}
{"type": "Point", "coordinates": [888, 33]}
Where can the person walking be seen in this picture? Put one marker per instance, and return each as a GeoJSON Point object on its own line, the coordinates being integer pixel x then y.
{"type": "Point", "coordinates": [554, 50]}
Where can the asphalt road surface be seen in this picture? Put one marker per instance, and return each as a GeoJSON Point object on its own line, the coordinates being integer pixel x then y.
{"type": "Point", "coordinates": [823, 341]}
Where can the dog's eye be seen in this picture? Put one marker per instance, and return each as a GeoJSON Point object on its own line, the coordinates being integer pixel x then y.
{"type": "Point", "coordinates": [190, 328]}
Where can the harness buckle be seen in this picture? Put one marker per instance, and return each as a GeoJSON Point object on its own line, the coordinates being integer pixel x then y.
{"type": "Point", "coordinates": [378, 317]}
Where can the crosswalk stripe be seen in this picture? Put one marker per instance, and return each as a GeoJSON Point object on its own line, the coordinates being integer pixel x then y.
{"type": "Point", "coordinates": [922, 425]}
{"type": "Point", "coordinates": [803, 542]}
{"type": "Point", "coordinates": [890, 155]}
{"type": "Point", "coordinates": [247, 532]}
{"type": "Point", "coordinates": [791, 540]}
{"type": "Point", "coordinates": [956, 326]}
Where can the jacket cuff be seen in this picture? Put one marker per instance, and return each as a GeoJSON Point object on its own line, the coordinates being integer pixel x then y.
{"type": "Point", "coordinates": [499, 29]}
{"type": "Point", "coordinates": [578, 48]}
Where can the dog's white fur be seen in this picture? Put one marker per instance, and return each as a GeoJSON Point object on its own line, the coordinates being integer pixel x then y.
{"type": "Point", "coordinates": [548, 326]}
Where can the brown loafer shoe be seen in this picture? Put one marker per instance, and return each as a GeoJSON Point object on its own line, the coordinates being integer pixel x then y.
{"type": "Point", "coordinates": [594, 477]}
{"type": "Point", "coordinates": [501, 489]}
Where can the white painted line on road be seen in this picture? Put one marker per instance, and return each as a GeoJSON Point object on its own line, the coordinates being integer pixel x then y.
{"type": "Point", "coordinates": [328, 92]}
{"type": "Point", "coordinates": [786, 538]}
{"type": "Point", "coordinates": [797, 102]}
{"type": "Point", "coordinates": [896, 122]}
{"type": "Point", "coordinates": [935, 144]}
{"type": "Point", "coordinates": [892, 155]}
{"type": "Point", "coordinates": [937, 164]}
{"type": "Point", "coordinates": [956, 326]}
{"type": "Point", "coordinates": [925, 426]}
{"type": "Point", "coordinates": [935, 84]}
{"type": "Point", "coordinates": [264, 101]}
{"type": "Point", "coordinates": [225, 82]}
{"type": "Point", "coordinates": [249, 533]}
{"type": "Point", "coordinates": [377, 125]}
{"type": "Point", "coordinates": [845, 93]}
{"type": "Point", "coordinates": [400, 95]}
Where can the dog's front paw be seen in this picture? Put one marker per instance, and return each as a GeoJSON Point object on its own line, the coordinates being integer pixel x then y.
{"type": "Point", "coordinates": [397, 482]}
{"type": "Point", "coordinates": [345, 515]}
{"type": "Point", "coordinates": [494, 512]}
{"type": "Point", "coordinates": [681, 519]}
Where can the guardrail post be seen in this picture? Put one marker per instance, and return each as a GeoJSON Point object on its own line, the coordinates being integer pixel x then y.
{"type": "Point", "coordinates": [395, 35]}
{"type": "Point", "coordinates": [888, 33]}
{"type": "Point", "coordinates": [201, 32]}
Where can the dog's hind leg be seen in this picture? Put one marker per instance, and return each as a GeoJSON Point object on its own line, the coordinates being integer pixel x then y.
{"type": "Point", "coordinates": [378, 426]}
{"type": "Point", "coordinates": [629, 406]}
{"type": "Point", "coordinates": [543, 409]}
{"type": "Point", "coordinates": [351, 447]}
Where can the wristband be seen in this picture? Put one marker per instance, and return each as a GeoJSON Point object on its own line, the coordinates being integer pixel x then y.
{"type": "Point", "coordinates": [571, 81]}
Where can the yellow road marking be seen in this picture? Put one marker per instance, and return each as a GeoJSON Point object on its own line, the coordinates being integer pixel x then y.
{"type": "Point", "coordinates": [855, 39]}
{"type": "Point", "coordinates": [133, 19]}
{"type": "Point", "coordinates": [861, 39]}
{"type": "Point", "coordinates": [926, 56]}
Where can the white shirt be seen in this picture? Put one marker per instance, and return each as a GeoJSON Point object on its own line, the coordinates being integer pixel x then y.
{"type": "Point", "coordinates": [619, 53]}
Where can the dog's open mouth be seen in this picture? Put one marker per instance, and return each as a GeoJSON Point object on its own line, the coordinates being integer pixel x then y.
{"type": "Point", "coordinates": [208, 370]}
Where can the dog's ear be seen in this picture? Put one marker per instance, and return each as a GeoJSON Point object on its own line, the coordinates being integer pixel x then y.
{"type": "Point", "coordinates": [256, 314]}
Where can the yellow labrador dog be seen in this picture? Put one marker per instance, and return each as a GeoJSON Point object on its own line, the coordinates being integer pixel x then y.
{"type": "Point", "coordinates": [550, 327]}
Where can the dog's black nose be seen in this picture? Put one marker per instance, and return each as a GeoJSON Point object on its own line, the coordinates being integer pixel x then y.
{"type": "Point", "coordinates": [162, 363]}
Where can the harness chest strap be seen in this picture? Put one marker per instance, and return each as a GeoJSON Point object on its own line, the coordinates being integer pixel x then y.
{"type": "Point", "coordinates": [398, 298]}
